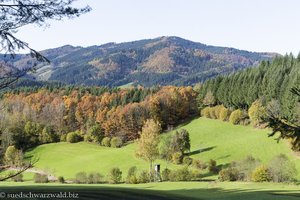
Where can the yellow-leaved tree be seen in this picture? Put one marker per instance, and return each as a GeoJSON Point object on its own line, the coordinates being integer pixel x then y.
{"type": "Point", "coordinates": [147, 145]}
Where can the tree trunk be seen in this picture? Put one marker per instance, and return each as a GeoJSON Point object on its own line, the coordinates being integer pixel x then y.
{"type": "Point", "coordinates": [150, 172]}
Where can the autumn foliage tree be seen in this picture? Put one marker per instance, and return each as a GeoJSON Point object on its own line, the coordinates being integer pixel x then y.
{"type": "Point", "coordinates": [147, 145]}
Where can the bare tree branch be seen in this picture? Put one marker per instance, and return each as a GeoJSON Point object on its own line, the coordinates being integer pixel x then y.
{"type": "Point", "coordinates": [22, 169]}
{"type": "Point", "coordinates": [15, 14]}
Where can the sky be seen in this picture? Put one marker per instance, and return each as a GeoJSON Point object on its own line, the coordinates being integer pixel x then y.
{"type": "Point", "coordinates": [253, 25]}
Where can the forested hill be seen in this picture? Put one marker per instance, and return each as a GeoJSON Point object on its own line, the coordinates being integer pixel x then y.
{"type": "Point", "coordinates": [163, 61]}
{"type": "Point", "coordinates": [271, 83]}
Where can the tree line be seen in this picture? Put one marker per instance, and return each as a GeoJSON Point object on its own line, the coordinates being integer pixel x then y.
{"type": "Point", "coordinates": [43, 116]}
{"type": "Point", "coordinates": [265, 93]}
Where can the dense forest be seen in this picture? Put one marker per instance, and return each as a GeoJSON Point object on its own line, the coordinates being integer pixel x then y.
{"type": "Point", "coordinates": [32, 116]}
{"type": "Point", "coordinates": [270, 81]}
{"type": "Point", "coordinates": [267, 95]}
{"type": "Point", "coordinates": [158, 61]}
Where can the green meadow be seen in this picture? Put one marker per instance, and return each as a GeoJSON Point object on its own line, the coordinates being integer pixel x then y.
{"type": "Point", "coordinates": [210, 139]}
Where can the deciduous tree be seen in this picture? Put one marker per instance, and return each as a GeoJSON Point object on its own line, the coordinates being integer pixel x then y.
{"type": "Point", "coordinates": [147, 147]}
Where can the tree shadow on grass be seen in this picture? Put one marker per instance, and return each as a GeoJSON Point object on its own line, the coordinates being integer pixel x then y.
{"type": "Point", "coordinates": [201, 150]}
{"type": "Point", "coordinates": [210, 192]}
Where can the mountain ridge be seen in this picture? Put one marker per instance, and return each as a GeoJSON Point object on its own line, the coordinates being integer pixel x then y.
{"type": "Point", "coordinates": [159, 61]}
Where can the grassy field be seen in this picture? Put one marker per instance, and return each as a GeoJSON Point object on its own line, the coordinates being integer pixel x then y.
{"type": "Point", "coordinates": [224, 142]}
{"type": "Point", "coordinates": [166, 190]}
{"type": "Point", "coordinates": [64, 159]}
{"type": "Point", "coordinates": [210, 139]}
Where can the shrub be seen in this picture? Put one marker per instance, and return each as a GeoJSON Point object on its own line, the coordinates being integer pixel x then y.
{"type": "Point", "coordinates": [205, 112]}
{"type": "Point", "coordinates": [116, 142]}
{"type": "Point", "coordinates": [87, 138]}
{"type": "Point", "coordinates": [132, 180]}
{"type": "Point", "coordinates": [224, 113]}
{"type": "Point", "coordinates": [245, 122]}
{"type": "Point", "coordinates": [282, 169]}
{"type": "Point", "coordinates": [105, 142]}
{"type": "Point", "coordinates": [246, 167]}
{"type": "Point", "coordinates": [261, 174]}
{"type": "Point", "coordinates": [61, 179]}
{"type": "Point", "coordinates": [212, 113]}
{"type": "Point", "coordinates": [199, 164]}
{"type": "Point", "coordinates": [48, 135]}
{"type": "Point", "coordinates": [131, 175]}
{"type": "Point", "coordinates": [177, 158]}
{"type": "Point", "coordinates": [114, 175]}
{"type": "Point", "coordinates": [144, 177]}
{"type": "Point", "coordinates": [94, 178]}
{"type": "Point", "coordinates": [165, 174]}
{"type": "Point", "coordinates": [209, 99]}
{"type": "Point", "coordinates": [187, 160]}
{"type": "Point", "coordinates": [18, 178]}
{"type": "Point", "coordinates": [236, 116]}
{"type": "Point", "coordinates": [228, 174]}
{"type": "Point", "coordinates": [195, 175]}
{"type": "Point", "coordinates": [40, 178]}
{"type": "Point", "coordinates": [13, 156]}
{"type": "Point", "coordinates": [182, 174]}
{"type": "Point", "coordinates": [257, 112]}
{"type": "Point", "coordinates": [74, 137]}
{"type": "Point", "coordinates": [96, 134]}
{"type": "Point", "coordinates": [63, 138]}
{"type": "Point", "coordinates": [212, 166]}
{"type": "Point", "coordinates": [81, 177]}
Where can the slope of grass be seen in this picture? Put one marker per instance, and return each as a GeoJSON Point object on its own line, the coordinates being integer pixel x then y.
{"type": "Point", "coordinates": [224, 142]}
{"type": "Point", "coordinates": [210, 139]}
{"type": "Point", "coordinates": [166, 190]}
{"type": "Point", "coordinates": [65, 159]}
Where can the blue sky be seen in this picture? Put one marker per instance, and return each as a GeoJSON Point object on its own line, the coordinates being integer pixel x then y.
{"type": "Point", "coordinates": [254, 25]}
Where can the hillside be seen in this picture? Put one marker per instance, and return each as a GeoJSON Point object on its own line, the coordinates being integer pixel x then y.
{"type": "Point", "coordinates": [163, 60]}
{"type": "Point", "coordinates": [207, 142]}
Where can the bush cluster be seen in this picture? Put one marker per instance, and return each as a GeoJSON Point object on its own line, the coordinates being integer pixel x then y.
{"type": "Point", "coordinates": [187, 160]}
{"type": "Point", "coordinates": [199, 164]}
{"type": "Point", "coordinates": [114, 176]}
{"type": "Point", "coordinates": [77, 136]}
{"type": "Point", "coordinates": [92, 178]}
{"type": "Point", "coordinates": [134, 176]}
{"type": "Point", "coordinates": [212, 166]}
{"type": "Point", "coordinates": [105, 142]}
{"type": "Point", "coordinates": [40, 178]}
{"type": "Point", "coordinates": [280, 169]}
{"type": "Point", "coordinates": [74, 137]}
{"type": "Point", "coordinates": [18, 178]}
{"type": "Point", "coordinates": [237, 117]}
{"type": "Point", "coordinates": [144, 177]}
{"type": "Point", "coordinates": [61, 179]}
{"type": "Point", "coordinates": [228, 174]}
{"type": "Point", "coordinates": [116, 142]}
{"type": "Point", "coordinates": [216, 112]}
{"type": "Point", "coordinates": [177, 158]}
{"type": "Point", "coordinates": [261, 174]}
{"type": "Point", "coordinates": [257, 113]}
{"type": "Point", "coordinates": [220, 112]}
{"type": "Point", "coordinates": [131, 175]}
{"type": "Point", "coordinates": [183, 174]}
